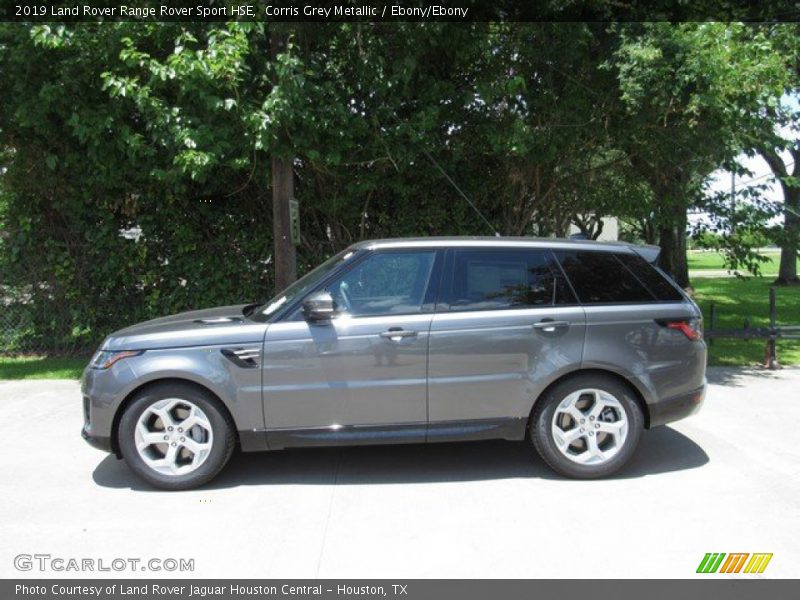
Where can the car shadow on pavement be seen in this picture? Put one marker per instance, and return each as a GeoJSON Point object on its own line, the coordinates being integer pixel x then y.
{"type": "Point", "coordinates": [661, 450]}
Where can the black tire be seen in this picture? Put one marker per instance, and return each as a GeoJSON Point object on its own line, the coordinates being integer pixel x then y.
{"type": "Point", "coordinates": [542, 418]}
{"type": "Point", "coordinates": [222, 427]}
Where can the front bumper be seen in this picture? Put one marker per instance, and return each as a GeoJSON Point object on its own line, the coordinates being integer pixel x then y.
{"type": "Point", "coordinates": [677, 407]}
{"type": "Point", "coordinates": [96, 431]}
{"type": "Point", "coordinates": [96, 441]}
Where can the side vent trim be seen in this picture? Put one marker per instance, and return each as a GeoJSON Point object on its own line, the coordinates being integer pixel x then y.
{"type": "Point", "coordinates": [246, 358]}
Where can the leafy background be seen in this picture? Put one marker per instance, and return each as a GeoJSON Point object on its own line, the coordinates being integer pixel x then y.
{"type": "Point", "coordinates": [135, 157]}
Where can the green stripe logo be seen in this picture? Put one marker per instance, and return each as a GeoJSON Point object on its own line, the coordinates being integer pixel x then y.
{"type": "Point", "coordinates": [711, 562]}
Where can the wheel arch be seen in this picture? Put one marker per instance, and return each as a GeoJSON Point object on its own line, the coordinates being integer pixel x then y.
{"type": "Point", "coordinates": [635, 390]}
{"type": "Point", "coordinates": [153, 383]}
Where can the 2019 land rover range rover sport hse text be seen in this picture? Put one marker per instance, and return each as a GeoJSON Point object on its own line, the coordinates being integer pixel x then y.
{"type": "Point", "coordinates": [575, 346]}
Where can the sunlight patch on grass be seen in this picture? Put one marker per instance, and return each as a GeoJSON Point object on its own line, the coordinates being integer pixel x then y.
{"type": "Point", "coordinates": [700, 260]}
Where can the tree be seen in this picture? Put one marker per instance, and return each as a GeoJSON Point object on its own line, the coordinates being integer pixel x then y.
{"type": "Point", "coordinates": [785, 119]}
{"type": "Point", "coordinates": [687, 90]}
{"type": "Point", "coordinates": [535, 116]}
{"type": "Point", "coordinates": [789, 238]}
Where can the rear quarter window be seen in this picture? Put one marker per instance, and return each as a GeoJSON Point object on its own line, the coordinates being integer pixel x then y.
{"type": "Point", "coordinates": [654, 280]}
{"type": "Point", "coordinates": [601, 278]}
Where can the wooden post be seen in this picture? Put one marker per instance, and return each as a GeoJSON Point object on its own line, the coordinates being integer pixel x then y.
{"type": "Point", "coordinates": [282, 194]}
{"type": "Point", "coordinates": [771, 361]}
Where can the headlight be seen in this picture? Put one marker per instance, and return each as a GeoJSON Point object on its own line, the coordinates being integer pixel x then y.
{"type": "Point", "coordinates": [103, 359]}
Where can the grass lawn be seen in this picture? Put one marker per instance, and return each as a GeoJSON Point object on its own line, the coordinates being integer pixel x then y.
{"type": "Point", "coordinates": [41, 367]}
{"type": "Point", "coordinates": [701, 259]}
{"type": "Point", "coordinates": [740, 299]}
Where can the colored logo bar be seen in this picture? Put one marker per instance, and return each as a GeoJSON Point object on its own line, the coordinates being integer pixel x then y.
{"type": "Point", "coordinates": [716, 562]}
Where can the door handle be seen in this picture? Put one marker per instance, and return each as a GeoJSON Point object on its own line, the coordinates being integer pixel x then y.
{"type": "Point", "coordinates": [396, 334]}
{"type": "Point", "coordinates": [550, 326]}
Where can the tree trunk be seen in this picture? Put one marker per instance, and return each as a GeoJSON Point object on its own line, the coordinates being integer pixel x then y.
{"type": "Point", "coordinates": [282, 193]}
{"type": "Point", "coordinates": [649, 232]}
{"type": "Point", "coordinates": [790, 241]}
{"type": "Point", "coordinates": [669, 221]}
{"type": "Point", "coordinates": [672, 240]}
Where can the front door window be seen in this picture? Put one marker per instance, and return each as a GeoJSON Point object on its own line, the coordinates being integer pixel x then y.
{"type": "Point", "coordinates": [386, 283]}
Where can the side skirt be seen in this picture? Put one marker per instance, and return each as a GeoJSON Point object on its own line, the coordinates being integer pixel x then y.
{"type": "Point", "coordinates": [405, 433]}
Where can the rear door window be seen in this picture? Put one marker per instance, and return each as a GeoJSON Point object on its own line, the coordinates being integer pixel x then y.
{"type": "Point", "coordinates": [501, 279]}
{"type": "Point", "coordinates": [600, 278]}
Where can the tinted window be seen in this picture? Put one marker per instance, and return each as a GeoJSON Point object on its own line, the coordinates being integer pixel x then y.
{"type": "Point", "coordinates": [385, 283]}
{"type": "Point", "coordinates": [498, 279]}
{"type": "Point", "coordinates": [598, 277]}
{"type": "Point", "coordinates": [645, 272]}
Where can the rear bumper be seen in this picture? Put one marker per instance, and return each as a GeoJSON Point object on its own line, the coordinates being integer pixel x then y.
{"type": "Point", "coordinates": [677, 407]}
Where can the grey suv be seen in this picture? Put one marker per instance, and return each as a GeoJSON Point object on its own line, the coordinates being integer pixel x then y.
{"type": "Point", "coordinates": [576, 346]}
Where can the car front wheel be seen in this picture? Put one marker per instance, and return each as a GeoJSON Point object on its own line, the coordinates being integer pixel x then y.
{"type": "Point", "coordinates": [587, 426]}
{"type": "Point", "coordinates": [176, 436]}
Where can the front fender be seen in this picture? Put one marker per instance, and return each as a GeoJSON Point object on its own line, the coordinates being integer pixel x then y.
{"type": "Point", "coordinates": [238, 388]}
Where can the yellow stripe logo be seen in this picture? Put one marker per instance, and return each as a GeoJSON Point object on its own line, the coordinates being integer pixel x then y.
{"type": "Point", "coordinates": [736, 562]}
{"type": "Point", "coordinates": [758, 563]}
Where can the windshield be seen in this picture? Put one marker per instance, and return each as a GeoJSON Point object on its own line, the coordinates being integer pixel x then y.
{"type": "Point", "coordinates": [302, 285]}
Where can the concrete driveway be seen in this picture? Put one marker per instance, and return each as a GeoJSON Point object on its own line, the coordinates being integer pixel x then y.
{"type": "Point", "coordinates": [726, 480]}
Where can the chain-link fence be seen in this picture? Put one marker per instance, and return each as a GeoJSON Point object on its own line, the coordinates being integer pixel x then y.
{"type": "Point", "coordinates": [16, 326]}
{"type": "Point", "coordinates": [26, 328]}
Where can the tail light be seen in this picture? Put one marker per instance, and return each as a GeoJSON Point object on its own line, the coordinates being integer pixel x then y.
{"type": "Point", "coordinates": [691, 328]}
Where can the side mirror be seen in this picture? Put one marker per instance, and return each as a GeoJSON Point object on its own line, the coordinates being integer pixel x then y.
{"type": "Point", "coordinates": [319, 307]}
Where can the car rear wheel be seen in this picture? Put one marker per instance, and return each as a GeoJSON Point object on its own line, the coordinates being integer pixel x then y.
{"type": "Point", "coordinates": [176, 436]}
{"type": "Point", "coordinates": [587, 426]}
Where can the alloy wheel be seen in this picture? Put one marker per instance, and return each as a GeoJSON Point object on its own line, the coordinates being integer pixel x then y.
{"type": "Point", "coordinates": [173, 436]}
{"type": "Point", "coordinates": [589, 426]}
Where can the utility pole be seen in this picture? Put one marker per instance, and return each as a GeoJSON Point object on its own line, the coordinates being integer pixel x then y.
{"type": "Point", "coordinates": [282, 196]}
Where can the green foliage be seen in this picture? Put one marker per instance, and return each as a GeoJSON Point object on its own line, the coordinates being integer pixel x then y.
{"type": "Point", "coordinates": [737, 228]}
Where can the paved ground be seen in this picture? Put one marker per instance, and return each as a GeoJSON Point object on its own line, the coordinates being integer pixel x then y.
{"type": "Point", "coordinates": [726, 480]}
